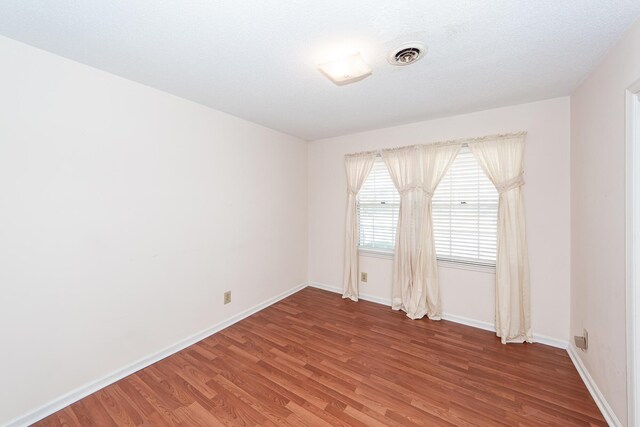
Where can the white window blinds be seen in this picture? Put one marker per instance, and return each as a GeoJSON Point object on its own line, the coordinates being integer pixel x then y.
{"type": "Point", "coordinates": [378, 207]}
{"type": "Point", "coordinates": [465, 209]}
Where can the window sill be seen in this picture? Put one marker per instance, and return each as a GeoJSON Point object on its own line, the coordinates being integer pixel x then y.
{"type": "Point", "coordinates": [382, 254]}
{"type": "Point", "coordinates": [373, 253]}
{"type": "Point", "coordinates": [489, 269]}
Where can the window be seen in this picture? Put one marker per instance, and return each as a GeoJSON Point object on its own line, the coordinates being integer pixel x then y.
{"type": "Point", "coordinates": [465, 210]}
{"type": "Point", "coordinates": [378, 205]}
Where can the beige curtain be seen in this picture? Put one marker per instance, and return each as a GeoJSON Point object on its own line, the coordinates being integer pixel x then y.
{"type": "Point", "coordinates": [357, 167]}
{"type": "Point", "coordinates": [416, 172]}
{"type": "Point", "coordinates": [405, 172]}
{"type": "Point", "coordinates": [435, 162]}
{"type": "Point", "coordinates": [502, 159]}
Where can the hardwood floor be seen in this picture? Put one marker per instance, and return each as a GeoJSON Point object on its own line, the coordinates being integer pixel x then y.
{"type": "Point", "coordinates": [315, 359]}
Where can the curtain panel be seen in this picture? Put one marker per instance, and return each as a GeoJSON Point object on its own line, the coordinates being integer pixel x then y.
{"type": "Point", "coordinates": [416, 172]}
{"type": "Point", "coordinates": [357, 167]}
{"type": "Point", "coordinates": [502, 159]}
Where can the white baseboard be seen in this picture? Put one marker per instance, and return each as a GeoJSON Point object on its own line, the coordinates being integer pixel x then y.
{"type": "Point", "coordinates": [598, 397]}
{"type": "Point", "coordinates": [325, 287]}
{"type": "Point", "coordinates": [337, 290]}
{"type": "Point", "coordinates": [550, 341]}
{"type": "Point", "coordinates": [542, 339]}
{"type": "Point", "coordinates": [83, 391]}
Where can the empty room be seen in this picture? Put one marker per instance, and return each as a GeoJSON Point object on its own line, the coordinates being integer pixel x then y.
{"type": "Point", "coordinates": [320, 213]}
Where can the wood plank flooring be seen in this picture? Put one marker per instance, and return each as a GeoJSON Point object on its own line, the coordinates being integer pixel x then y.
{"type": "Point", "coordinates": [314, 359]}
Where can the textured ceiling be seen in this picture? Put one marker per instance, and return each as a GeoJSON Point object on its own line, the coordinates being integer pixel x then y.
{"type": "Point", "coordinates": [257, 59]}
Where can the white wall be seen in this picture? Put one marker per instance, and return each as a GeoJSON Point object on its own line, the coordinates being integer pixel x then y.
{"type": "Point", "coordinates": [598, 217]}
{"type": "Point", "coordinates": [468, 294]}
{"type": "Point", "coordinates": [125, 213]}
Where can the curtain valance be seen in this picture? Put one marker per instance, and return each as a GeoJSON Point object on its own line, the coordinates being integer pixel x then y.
{"type": "Point", "coordinates": [460, 141]}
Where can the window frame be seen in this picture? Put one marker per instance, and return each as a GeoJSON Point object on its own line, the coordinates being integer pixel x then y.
{"type": "Point", "coordinates": [444, 262]}
{"type": "Point", "coordinates": [470, 263]}
{"type": "Point", "coordinates": [386, 194]}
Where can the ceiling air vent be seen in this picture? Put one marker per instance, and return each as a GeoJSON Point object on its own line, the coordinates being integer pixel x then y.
{"type": "Point", "coordinates": [407, 53]}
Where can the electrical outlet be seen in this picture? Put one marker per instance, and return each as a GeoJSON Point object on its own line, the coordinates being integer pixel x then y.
{"type": "Point", "coordinates": [363, 277]}
{"type": "Point", "coordinates": [582, 342]}
{"type": "Point", "coordinates": [227, 297]}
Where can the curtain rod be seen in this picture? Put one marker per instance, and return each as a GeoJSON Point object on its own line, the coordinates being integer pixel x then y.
{"type": "Point", "coordinates": [379, 152]}
{"type": "Point", "coordinates": [464, 142]}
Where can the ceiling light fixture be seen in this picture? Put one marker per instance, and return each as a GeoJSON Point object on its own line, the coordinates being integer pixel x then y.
{"type": "Point", "coordinates": [347, 70]}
